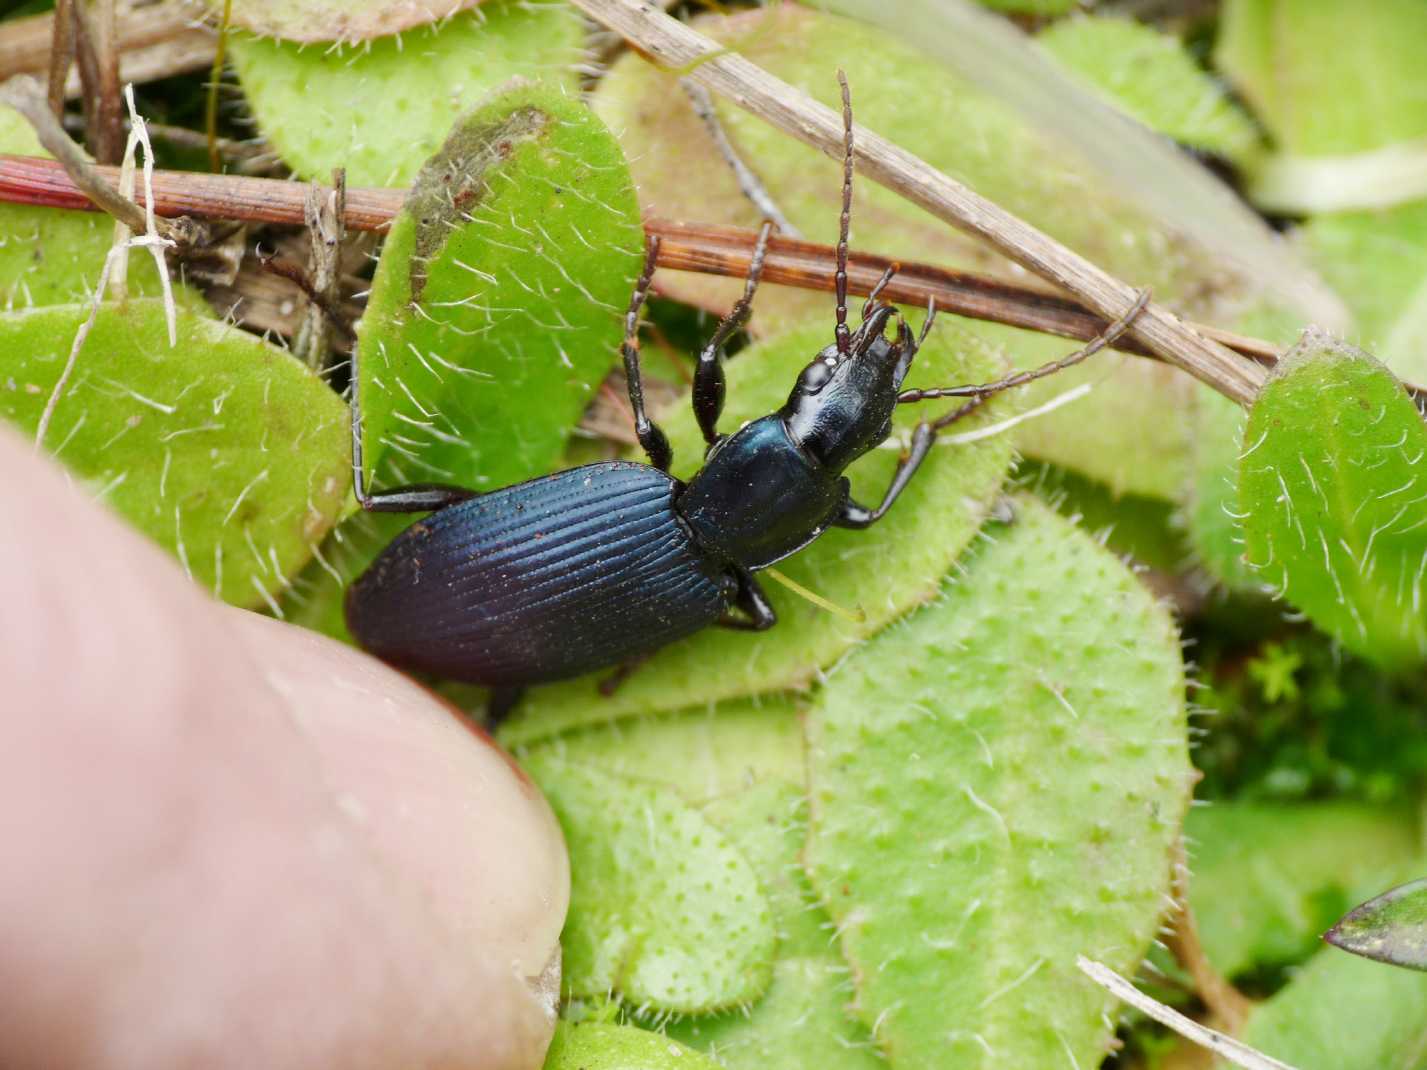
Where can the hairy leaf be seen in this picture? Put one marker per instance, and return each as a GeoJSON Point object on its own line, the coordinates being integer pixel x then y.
{"type": "Point", "coordinates": [334, 20]}
{"type": "Point", "coordinates": [664, 912]}
{"type": "Point", "coordinates": [381, 109]}
{"type": "Point", "coordinates": [700, 753]}
{"type": "Point", "coordinates": [803, 1019]}
{"type": "Point", "coordinates": [593, 1046]}
{"type": "Point", "coordinates": [501, 291]}
{"type": "Point", "coordinates": [883, 571]}
{"type": "Point", "coordinates": [1390, 928]}
{"type": "Point", "coordinates": [996, 783]}
{"type": "Point", "coordinates": [1332, 484]}
{"type": "Point", "coordinates": [223, 449]}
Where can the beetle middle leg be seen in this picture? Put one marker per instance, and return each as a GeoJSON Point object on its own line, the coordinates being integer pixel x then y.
{"type": "Point", "coordinates": [708, 376]}
{"type": "Point", "coordinates": [758, 614]}
{"type": "Point", "coordinates": [856, 515]}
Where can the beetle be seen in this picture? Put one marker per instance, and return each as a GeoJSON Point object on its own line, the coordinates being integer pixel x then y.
{"type": "Point", "coordinates": [598, 566]}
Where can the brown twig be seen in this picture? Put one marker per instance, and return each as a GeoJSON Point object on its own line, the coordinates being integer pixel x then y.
{"type": "Point", "coordinates": [323, 211]}
{"type": "Point", "coordinates": [683, 49]}
{"type": "Point", "coordinates": [700, 247]}
{"type": "Point", "coordinates": [1226, 1002]}
{"type": "Point", "coordinates": [61, 56]}
{"type": "Point", "coordinates": [86, 60]}
{"type": "Point", "coordinates": [108, 136]}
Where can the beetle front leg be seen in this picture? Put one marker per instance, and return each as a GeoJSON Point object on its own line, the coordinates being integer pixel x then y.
{"type": "Point", "coordinates": [759, 615]}
{"type": "Point", "coordinates": [708, 376]}
{"type": "Point", "coordinates": [854, 515]}
{"type": "Point", "coordinates": [651, 438]}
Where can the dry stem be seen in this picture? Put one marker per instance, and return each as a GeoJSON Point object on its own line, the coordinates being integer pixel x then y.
{"type": "Point", "coordinates": [24, 94]}
{"type": "Point", "coordinates": [701, 247]}
{"type": "Point", "coordinates": [155, 40]}
{"type": "Point", "coordinates": [681, 48]}
{"type": "Point", "coordinates": [1226, 1002]}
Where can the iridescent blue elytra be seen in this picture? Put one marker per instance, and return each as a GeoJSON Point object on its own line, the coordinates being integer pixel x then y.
{"type": "Point", "coordinates": [551, 578]}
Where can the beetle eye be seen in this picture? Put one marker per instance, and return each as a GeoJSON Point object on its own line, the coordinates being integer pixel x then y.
{"type": "Point", "coordinates": [814, 377]}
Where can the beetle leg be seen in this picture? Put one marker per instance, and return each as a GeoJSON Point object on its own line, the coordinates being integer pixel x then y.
{"type": "Point", "coordinates": [415, 498]}
{"type": "Point", "coordinates": [980, 392]}
{"type": "Point", "coordinates": [854, 515]}
{"type": "Point", "coordinates": [622, 672]}
{"type": "Point", "coordinates": [759, 615]}
{"type": "Point", "coordinates": [708, 376]}
{"type": "Point", "coordinates": [500, 703]}
{"type": "Point", "coordinates": [651, 438]}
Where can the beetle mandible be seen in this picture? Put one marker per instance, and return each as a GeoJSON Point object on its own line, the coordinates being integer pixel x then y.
{"type": "Point", "coordinates": [600, 565]}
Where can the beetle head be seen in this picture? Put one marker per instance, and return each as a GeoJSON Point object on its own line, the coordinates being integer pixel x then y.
{"type": "Point", "coordinates": [842, 404]}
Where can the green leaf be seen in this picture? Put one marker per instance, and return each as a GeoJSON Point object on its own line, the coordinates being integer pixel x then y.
{"type": "Point", "coordinates": [51, 256]}
{"type": "Point", "coordinates": [1344, 142]}
{"type": "Point", "coordinates": [1378, 262]}
{"type": "Point", "coordinates": [380, 110]}
{"type": "Point", "coordinates": [1141, 529]}
{"type": "Point", "coordinates": [996, 785]}
{"type": "Point", "coordinates": [699, 753]}
{"type": "Point", "coordinates": [884, 571]}
{"type": "Point", "coordinates": [500, 292]}
{"type": "Point", "coordinates": [333, 20]}
{"type": "Point", "coordinates": [744, 760]}
{"type": "Point", "coordinates": [1391, 928]}
{"type": "Point", "coordinates": [664, 912]}
{"type": "Point", "coordinates": [1329, 481]}
{"type": "Point", "coordinates": [800, 1022]}
{"type": "Point", "coordinates": [1032, 7]}
{"type": "Point", "coordinates": [768, 823]}
{"type": "Point", "coordinates": [1343, 1013]}
{"type": "Point", "coordinates": [495, 312]}
{"type": "Point", "coordinates": [803, 1018]}
{"type": "Point", "coordinates": [1267, 880]}
{"type": "Point", "coordinates": [618, 1047]}
{"type": "Point", "coordinates": [224, 450]}
{"type": "Point", "coordinates": [1151, 76]}
{"type": "Point", "coordinates": [498, 301]}
{"type": "Point", "coordinates": [1278, 53]}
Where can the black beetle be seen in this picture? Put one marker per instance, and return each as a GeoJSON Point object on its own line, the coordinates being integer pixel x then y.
{"type": "Point", "coordinates": [601, 565]}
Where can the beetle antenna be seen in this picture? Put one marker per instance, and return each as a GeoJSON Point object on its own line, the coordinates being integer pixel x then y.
{"type": "Point", "coordinates": [892, 269]}
{"type": "Point", "coordinates": [840, 331]}
{"type": "Point", "coordinates": [981, 392]}
{"type": "Point", "coordinates": [927, 323]}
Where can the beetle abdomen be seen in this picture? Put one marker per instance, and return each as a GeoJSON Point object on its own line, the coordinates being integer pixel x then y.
{"type": "Point", "coordinates": [543, 580]}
